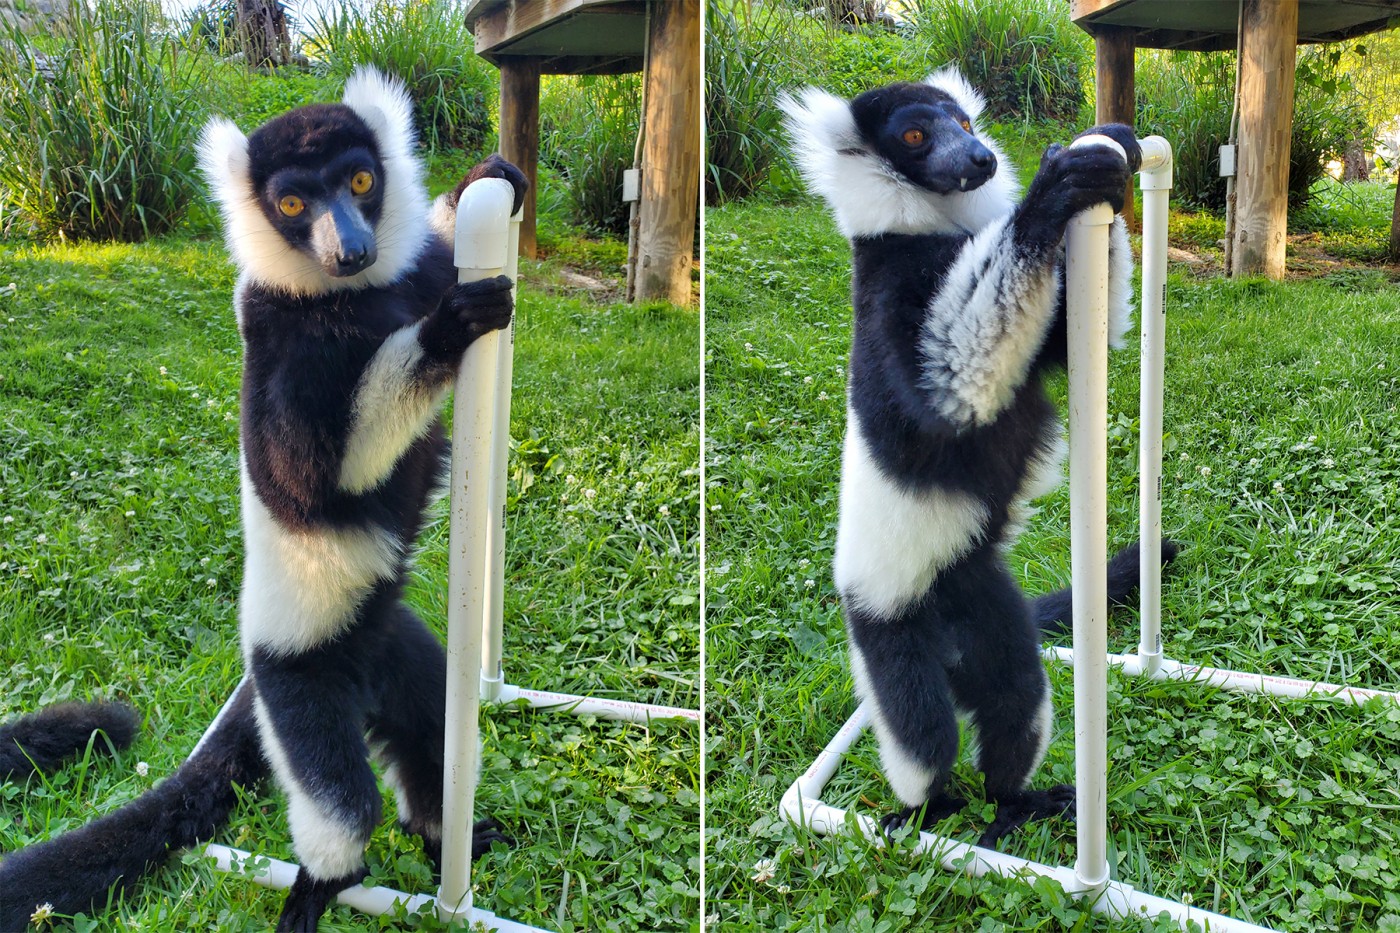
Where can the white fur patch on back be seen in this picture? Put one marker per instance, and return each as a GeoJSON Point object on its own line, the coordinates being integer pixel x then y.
{"type": "Point", "coordinates": [300, 589]}
{"type": "Point", "coordinates": [260, 252]}
{"type": "Point", "coordinates": [390, 410]}
{"type": "Point", "coordinates": [985, 327]}
{"type": "Point", "coordinates": [891, 543]}
{"type": "Point", "coordinates": [867, 194]}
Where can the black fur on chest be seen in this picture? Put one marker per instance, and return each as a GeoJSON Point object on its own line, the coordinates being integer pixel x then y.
{"type": "Point", "coordinates": [304, 356]}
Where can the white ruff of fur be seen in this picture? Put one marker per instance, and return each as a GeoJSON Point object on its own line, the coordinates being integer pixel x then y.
{"type": "Point", "coordinates": [261, 253]}
{"type": "Point", "coordinates": [301, 588]}
{"type": "Point", "coordinates": [891, 543]}
{"type": "Point", "coordinates": [868, 195]}
{"type": "Point", "coordinates": [985, 327]}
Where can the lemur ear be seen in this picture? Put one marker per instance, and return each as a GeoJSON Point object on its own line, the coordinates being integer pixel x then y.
{"type": "Point", "coordinates": [950, 81]}
{"type": "Point", "coordinates": [383, 103]}
{"type": "Point", "coordinates": [223, 159]}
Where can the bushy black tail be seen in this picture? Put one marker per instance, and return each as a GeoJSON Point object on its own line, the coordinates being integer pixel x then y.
{"type": "Point", "coordinates": [75, 871]}
{"type": "Point", "coordinates": [42, 740]}
{"type": "Point", "coordinates": [1053, 610]}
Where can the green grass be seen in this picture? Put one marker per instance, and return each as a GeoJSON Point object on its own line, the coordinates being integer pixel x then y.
{"type": "Point", "coordinates": [120, 561]}
{"type": "Point", "coordinates": [1282, 477]}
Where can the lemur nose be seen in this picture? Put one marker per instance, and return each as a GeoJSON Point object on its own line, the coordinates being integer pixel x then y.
{"type": "Point", "coordinates": [983, 158]}
{"type": "Point", "coordinates": [353, 260]}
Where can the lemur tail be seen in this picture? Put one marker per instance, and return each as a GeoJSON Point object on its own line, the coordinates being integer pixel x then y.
{"type": "Point", "coordinates": [42, 740]}
{"type": "Point", "coordinates": [1052, 611]}
{"type": "Point", "coordinates": [76, 870]}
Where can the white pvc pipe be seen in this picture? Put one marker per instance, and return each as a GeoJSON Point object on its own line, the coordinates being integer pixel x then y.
{"type": "Point", "coordinates": [624, 710]}
{"type": "Point", "coordinates": [492, 676]}
{"type": "Point", "coordinates": [481, 242]}
{"type": "Point", "coordinates": [377, 901]}
{"type": "Point", "coordinates": [802, 805]}
{"type": "Point", "coordinates": [1156, 181]}
{"type": "Point", "coordinates": [1086, 302]}
{"type": "Point", "coordinates": [1236, 681]}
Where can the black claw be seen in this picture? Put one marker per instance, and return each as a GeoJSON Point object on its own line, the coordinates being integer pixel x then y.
{"type": "Point", "coordinates": [1016, 810]}
{"type": "Point", "coordinates": [935, 811]}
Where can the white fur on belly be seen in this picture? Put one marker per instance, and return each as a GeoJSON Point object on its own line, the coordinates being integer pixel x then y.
{"type": "Point", "coordinates": [892, 542]}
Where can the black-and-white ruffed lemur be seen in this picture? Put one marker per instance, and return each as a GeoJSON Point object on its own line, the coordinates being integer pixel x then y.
{"type": "Point", "coordinates": [959, 311]}
{"type": "Point", "coordinates": [353, 327]}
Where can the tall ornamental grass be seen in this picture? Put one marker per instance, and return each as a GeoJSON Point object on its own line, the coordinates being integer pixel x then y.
{"type": "Point", "coordinates": [427, 44]}
{"type": "Point", "coordinates": [98, 125]}
{"type": "Point", "coordinates": [1025, 56]}
{"type": "Point", "coordinates": [749, 59]}
{"type": "Point", "coordinates": [1187, 98]}
{"type": "Point", "coordinates": [588, 137]}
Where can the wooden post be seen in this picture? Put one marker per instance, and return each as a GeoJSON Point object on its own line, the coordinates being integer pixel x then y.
{"type": "Point", "coordinates": [520, 133]}
{"type": "Point", "coordinates": [1395, 227]}
{"type": "Point", "coordinates": [1268, 55]}
{"type": "Point", "coordinates": [1114, 54]}
{"type": "Point", "coordinates": [670, 153]}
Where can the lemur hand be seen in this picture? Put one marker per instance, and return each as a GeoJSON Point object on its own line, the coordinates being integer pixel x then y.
{"type": "Point", "coordinates": [1123, 136]}
{"type": "Point", "coordinates": [1072, 180]}
{"type": "Point", "coordinates": [493, 166]}
{"type": "Point", "coordinates": [466, 312]}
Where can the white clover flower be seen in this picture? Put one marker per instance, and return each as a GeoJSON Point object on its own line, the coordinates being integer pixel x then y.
{"type": "Point", "coordinates": [7, 519]}
{"type": "Point", "coordinates": [664, 510]}
{"type": "Point", "coordinates": [822, 396]}
{"type": "Point", "coordinates": [748, 348]}
{"type": "Point", "coordinates": [41, 538]}
{"type": "Point", "coordinates": [162, 371]}
{"type": "Point", "coordinates": [1205, 471]}
{"type": "Point", "coordinates": [809, 583]}
{"type": "Point", "coordinates": [204, 562]}
{"type": "Point", "coordinates": [1328, 462]}
{"type": "Point", "coordinates": [590, 493]}
{"type": "Point", "coordinates": [211, 582]}
{"type": "Point", "coordinates": [73, 474]}
{"type": "Point", "coordinates": [806, 380]}
{"type": "Point", "coordinates": [142, 769]}
{"type": "Point", "coordinates": [42, 913]}
{"type": "Point", "coordinates": [1278, 485]}
{"type": "Point", "coordinates": [130, 513]}
{"type": "Point", "coordinates": [764, 870]}
{"type": "Point", "coordinates": [49, 637]}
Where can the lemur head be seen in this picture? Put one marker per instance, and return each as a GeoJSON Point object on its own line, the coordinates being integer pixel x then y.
{"type": "Point", "coordinates": [326, 196]}
{"type": "Point", "coordinates": [925, 135]}
{"type": "Point", "coordinates": [905, 158]}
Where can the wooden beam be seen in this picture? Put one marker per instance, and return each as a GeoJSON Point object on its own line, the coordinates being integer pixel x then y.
{"type": "Point", "coordinates": [670, 154]}
{"type": "Point", "coordinates": [1114, 87]}
{"type": "Point", "coordinates": [1268, 47]}
{"type": "Point", "coordinates": [520, 134]}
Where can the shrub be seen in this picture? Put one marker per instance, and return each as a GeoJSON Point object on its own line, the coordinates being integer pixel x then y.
{"type": "Point", "coordinates": [588, 136]}
{"type": "Point", "coordinates": [98, 138]}
{"type": "Point", "coordinates": [427, 44]}
{"type": "Point", "coordinates": [1025, 56]}
{"type": "Point", "coordinates": [1187, 98]}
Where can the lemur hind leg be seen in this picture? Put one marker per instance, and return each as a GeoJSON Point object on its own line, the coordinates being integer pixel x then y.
{"type": "Point", "coordinates": [897, 665]}
{"type": "Point", "coordinates": [1000, 680]}
{"type": "Point", "coordinates": [311, 710]}
{"type": "Point", "coordinates": [407, 730]}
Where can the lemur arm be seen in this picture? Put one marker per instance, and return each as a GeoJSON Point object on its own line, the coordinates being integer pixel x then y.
{"type": "Point", "coordinates": [988, 321]}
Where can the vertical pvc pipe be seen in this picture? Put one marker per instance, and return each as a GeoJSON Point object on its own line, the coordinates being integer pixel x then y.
{"type": "Point", "coordinates": [482, 218]}
{"type": "Point", "coordinates": [492, 676]}
{"type": "Point", "coordinates": [1086, 296]}
{"type": "Point", "coordinates": [1156, 181]}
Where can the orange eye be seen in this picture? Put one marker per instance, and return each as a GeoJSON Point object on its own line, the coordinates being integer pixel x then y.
{"type": "Point", "coordinates": [967, 126]}
{"type": "Point", "coordinates": [362, 182]}
{"type": "Point", "coordinates": [291, 205]}
{"type": "Point", "coordinates": [913, 136]}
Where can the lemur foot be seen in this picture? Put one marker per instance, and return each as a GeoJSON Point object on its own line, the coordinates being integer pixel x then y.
{"type": "Point", "coordinates": [1016, 810]}
{"type": "Point", "coordinates": [308, 899]}
{"type": "Point", "coordinates": [484, 833]}
{"type": "Point", "coordinates": [935, 810]}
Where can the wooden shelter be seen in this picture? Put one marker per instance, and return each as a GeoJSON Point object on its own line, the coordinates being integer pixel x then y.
{"type": "Point", "coordinates": [1266, 33]}
{"type": "Point", "coordinates": [528, 38]}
